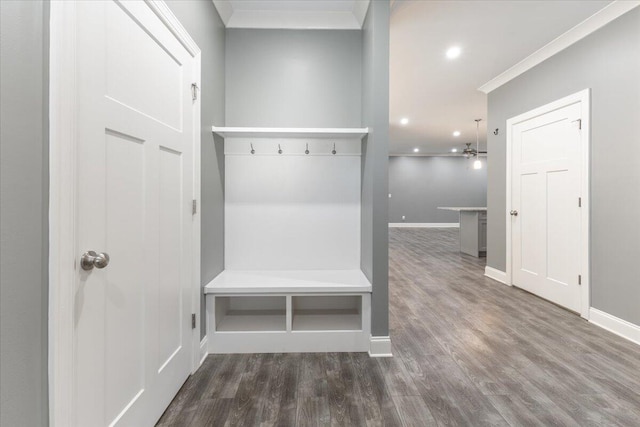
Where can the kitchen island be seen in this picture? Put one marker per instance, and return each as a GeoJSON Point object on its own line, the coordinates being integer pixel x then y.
{"type": "Point", "coordinates": [473, 229]}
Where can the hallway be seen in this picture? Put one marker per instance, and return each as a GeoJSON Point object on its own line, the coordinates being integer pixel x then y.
{"type": "Point", "coordinates": [467, 351]}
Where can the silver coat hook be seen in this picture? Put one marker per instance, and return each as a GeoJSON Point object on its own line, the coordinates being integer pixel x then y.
{"type": "Point", "coordinates": [334, 149]}
{"type": "Point", "coordinates": [279, 149]}
{"type": "Point", "coordinates": [252, 150]}
{"type": "Point", "coordinates": [307, 150]}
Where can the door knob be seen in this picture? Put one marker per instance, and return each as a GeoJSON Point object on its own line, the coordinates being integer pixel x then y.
{"type": "Point", "coordinates": [91, 259]}
{"type": "Point", "coordinates": [514, 213]}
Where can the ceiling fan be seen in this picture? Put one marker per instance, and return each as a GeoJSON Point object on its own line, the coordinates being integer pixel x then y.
{"type": "Point", "coordinates": [470, 152]}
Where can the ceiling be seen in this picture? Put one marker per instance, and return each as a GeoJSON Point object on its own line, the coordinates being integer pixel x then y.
{"type": "Point", "coordinates": [294, 14]}
{"type": "Point", "coordinates": [437, 95]}
{"type": "Point", "coordinates": [440, 95]}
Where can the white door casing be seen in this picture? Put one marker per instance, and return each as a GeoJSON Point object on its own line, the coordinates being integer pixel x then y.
{"type": "Point", "coordinates": [124, 171]}
{"type": "Point", "coordinates": [547, 185]}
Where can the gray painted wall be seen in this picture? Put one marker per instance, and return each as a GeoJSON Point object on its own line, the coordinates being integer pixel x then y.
{"type": "Point", "coordinates": [375, 161]}
{"type": "Point", "coordinates": [418, 185]}
{"type": "Point", "coordinates": [202, 22]}
{"type": "Point", "coordinates": [608, 62]}
{"type": "Point", "coordinates": [24, 204]}
{"type": "Point", "coordinates": [296, 78]}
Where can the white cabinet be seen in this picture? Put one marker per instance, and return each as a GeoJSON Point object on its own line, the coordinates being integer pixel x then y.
{"type": "Point", "coordinates": [292, 280]}
{"type": "Point", "coordinates": [288, 311]}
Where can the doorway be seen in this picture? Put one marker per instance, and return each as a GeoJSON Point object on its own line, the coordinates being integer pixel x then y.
{"type": "Point", "coordinates": [548, 200]}
{"type": "Point", "coordinates": [125, 262]}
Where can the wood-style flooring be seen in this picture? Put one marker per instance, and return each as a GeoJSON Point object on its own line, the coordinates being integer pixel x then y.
{"type": "Point", "coordinates": [467, 351]}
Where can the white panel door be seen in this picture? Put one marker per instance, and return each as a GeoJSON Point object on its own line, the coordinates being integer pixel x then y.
{"type": "Point", "coordinates": [135, 186]}
{"type": "Point", "coordinates": [546, 245]}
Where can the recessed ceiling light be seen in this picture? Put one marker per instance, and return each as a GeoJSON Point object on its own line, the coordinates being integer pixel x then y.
{"type": "Point", "coordinates": [456, 133]}
{"type": "Point", "coordinates": [454, 150]}
{"type": "Point", "coordinates": [415, 150]}
{"type": "Point", "coordinates": [453, 52]}
{"type": "Point", "coordinates": [404, 121]}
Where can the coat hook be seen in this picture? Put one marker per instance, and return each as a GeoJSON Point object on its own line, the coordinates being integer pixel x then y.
{"type": "Point", "coordinates": [495, 132]}
{"type": "Point", "coordinates": [307, 150]}
{"type": "Point", "coordinates": [279, 149]}
{"type": "Point", "coordinates": [334, 149]}
{"type": "Point", "coordinates": [252, 150]}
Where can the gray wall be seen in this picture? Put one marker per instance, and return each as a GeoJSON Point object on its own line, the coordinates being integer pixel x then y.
{"type": "Point", "coordinates": [24, 192]}
{"type": "Point", "coordinates": [418, 185]}
{"type": "Point", "coordinates": [296, 78]}
{"type": "Point", "coordinates": [202, 22]}
{"type": "Point", "coordinates": [608, 62]}
{"type": "Point", "coordinates": [375, 160]}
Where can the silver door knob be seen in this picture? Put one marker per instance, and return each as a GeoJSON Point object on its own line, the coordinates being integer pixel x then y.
{"type": "Point", "coordinates": [514, 213]}
{"type": "Point", "coordinates": [91, 259]}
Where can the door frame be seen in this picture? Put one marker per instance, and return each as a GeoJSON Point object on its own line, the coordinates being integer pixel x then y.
{"type": "Point", "coordinates": [583, 97]}
{"type": "Point", "coordinates": [63, 252]}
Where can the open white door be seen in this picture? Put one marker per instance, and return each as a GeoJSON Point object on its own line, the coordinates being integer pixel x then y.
{"type": "Point", "coordinates": [548, 229]}
{"type": "Point", "coordinates": [133, 129]}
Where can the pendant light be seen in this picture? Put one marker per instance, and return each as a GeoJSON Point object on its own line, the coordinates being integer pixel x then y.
{"type": "Point", "coordinates": [477, 164]}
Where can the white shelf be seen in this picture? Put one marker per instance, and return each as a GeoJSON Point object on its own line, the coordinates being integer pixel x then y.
{"type": "Point", "coordinates": [326, 320]}
{"type": "Point", "coordinates": [236, 282]}
{"type": "Point", "coordinates": [252, 132]}
{"type": "Point", "coordinates": [253, 321]}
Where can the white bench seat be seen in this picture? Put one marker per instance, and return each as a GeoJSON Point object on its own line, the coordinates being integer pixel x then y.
{"type": "Point", "coordinates": [235, 282]}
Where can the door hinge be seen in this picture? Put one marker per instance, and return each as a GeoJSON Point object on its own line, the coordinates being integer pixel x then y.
{"type": "Point", "coordinates": [194, 207]}
{"type": "Point", "coordinates": [194, 91]}
{"type": "Point", "coordinates": [193, 320]}
{"type": "Point", "coordinates": [579, 202]}
{"type": "Point", "coordinates": [579, 123]}
{"type": "Point", "coordinates": [579, 279]}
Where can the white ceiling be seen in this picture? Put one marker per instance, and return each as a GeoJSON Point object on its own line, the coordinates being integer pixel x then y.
{"type": "Point", "coordinates": [295, 14]}
{"type": "Point", "coordinates": [436, 94]}
{"type": "Point", "coordinates": [439, 95]}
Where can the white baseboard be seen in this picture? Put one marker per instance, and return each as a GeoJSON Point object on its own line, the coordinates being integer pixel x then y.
{"type": "Point", "coordinates": [424, 225]}
{"type": "Point", "coordinates": [615, 325]}
{"type": "Point", "coordinates": [204, 349]}
{"type": "Point", "coordinates": [495, 274]}
{"type": "Point", "coordinates": [380, 347]}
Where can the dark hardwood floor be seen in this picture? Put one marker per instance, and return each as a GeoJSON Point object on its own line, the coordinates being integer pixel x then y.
{"type": "Point", "coordinates": [468, 351]}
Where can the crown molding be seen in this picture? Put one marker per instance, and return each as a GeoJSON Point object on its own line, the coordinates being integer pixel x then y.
{"type": "Point", "coordinates": [292, 19]}
{"type": "Point", "coordinates": [593, 23]}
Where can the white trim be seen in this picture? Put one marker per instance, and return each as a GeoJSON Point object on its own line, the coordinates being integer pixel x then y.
{"type": "Point", "coordinates": [380, 347]}
{"type": "Point", "coordinates": [583, 97]}
{"type": "Point", "coordinates": [615, 325]}
{"type": "Point", "coordinates": [424, 225]}
{"type": "Point", "coordinates": [196, 289]}
{"type": "Point", "coordinates": [461, 155]}
{"type": "Point", "coordinates": [591, 24]}
{"type": "Point", "coordinates": [204, 350]}
{"type": "Point", "coordinates": [225, 10]}
{"type": "Point", "coordinates": [167, 17]}
{"type": "Point", "coordinates": [292, 19]}
{"type": "Point", "coordinates": [262, 132]}
{"type": "Point", "coordinates": [62, 210]}
{"type": "Point", "coordinates": [495, 274]}
{"type": "Point", "coordinates": [360, 9]}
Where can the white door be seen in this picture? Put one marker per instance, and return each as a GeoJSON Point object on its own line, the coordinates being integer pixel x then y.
{"type": "Point", "coordinates": [134, 190]}
{"type": "Point", "coordinates": [545, 205]}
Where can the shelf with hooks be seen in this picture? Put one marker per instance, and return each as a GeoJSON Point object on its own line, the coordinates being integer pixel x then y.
{"type": "Point", "coordinates": [260, 132]}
